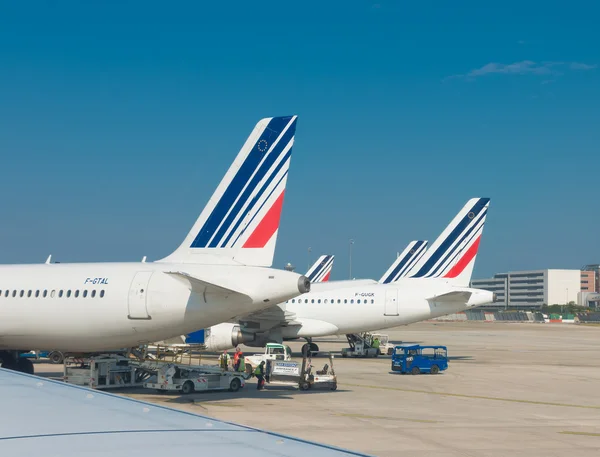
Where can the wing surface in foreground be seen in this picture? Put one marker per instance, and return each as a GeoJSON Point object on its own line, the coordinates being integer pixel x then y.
{"type": "Point", "coordinates": [50, 418]}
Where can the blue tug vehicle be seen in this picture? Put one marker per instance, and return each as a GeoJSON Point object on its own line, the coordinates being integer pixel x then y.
{"type": "Point", "coordinates": [416, 359]}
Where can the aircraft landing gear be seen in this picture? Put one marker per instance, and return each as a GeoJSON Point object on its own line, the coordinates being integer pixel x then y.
{"type": "Point", "coordinates": [11, 361]}
{"type": "Point", "coordinates": [309, 346]}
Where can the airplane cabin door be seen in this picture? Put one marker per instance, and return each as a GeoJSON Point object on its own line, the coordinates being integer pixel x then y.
{"type": "Point", "coordinates": [391, 302]}
{"type": "Point", "coordinates": [138, 293]}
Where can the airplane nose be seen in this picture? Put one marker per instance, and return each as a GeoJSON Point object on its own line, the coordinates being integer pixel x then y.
{"type": "Point", "coordinates": [303, 284]}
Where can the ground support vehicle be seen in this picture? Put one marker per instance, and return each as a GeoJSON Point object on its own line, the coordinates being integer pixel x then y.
{"type": "Point", "coordinates": [188, 379]}
{"type": "Point", "coordinates": [303, 374]}
{"type": "Point", "coordinates": [416, 359]}
{"type": "Point", "coordinates": [104, 371]}
{"type": "Point", "coordinates": [385, 347]}
{"type": "Point", "coordinates": [360, 345]}
{"type": "Point", "coordinates": [273, 351]}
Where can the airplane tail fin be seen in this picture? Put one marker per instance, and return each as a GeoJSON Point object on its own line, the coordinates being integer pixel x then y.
{"type": "Point", "coordinates": [452, 255]}
{"type": "Point", "coordinates": [321, 269]}
{"type": "Point", "coordinates": [405, 261]}
{"type": "Point", "coordinates": [240, 222]}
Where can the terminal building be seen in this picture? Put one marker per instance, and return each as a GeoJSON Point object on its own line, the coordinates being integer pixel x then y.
{"type": "Point", "coordinates": [533, 289]}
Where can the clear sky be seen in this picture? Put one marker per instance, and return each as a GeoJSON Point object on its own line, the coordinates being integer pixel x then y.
{"type": "Point", "coordinates": [118, 119]}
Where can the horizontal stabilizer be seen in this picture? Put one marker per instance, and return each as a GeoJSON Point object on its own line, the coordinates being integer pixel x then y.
{"type": "Point", "coordinates": [452, 297]}
{"type": "Point", "coordinates": [205, 287]}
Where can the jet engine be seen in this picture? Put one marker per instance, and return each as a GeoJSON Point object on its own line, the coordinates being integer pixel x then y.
{"type": "Point", "coordinates": [226, 336]}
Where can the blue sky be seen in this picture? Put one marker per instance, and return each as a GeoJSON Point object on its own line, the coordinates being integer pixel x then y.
{"type": "Point", "coordinates": [118, 120]}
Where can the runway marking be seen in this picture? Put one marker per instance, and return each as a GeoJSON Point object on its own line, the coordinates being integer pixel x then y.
{"type": "Point", "coordinates": [365, 416]}
{"type": "Point", "coordinates": [226, 405]}
{"type": "Point", "coordinates": [477, 397]}
{"type": "Point", "coordinates": [566, 432]}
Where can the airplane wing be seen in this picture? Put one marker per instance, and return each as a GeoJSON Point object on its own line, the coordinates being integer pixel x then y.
{"type": "Point", "coordinates": [452, 297]}
{"type": "Point", "coordinates": [206, 287]}
{"type": "Point", "coordinates": [45, 417]}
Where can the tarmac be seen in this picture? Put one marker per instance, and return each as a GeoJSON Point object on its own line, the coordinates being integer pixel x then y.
{"type": "Point", "coordinates": [511, 390]}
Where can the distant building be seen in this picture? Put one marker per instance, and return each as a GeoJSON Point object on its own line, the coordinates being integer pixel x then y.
{"type": "Point", "coordinates": [588, 281]}
{"type": "Point", "coordinates": [532, 289]}
{"type": "Point", "coordinates": [595, 268]}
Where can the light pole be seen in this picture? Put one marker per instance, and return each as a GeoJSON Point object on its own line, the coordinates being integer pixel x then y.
{"type": "Point", "coordinates": [308, 258]}
{"type": "Point", "coordinates": [350, 256]}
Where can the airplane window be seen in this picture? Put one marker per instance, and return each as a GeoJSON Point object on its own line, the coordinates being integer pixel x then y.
{"type": "Point", "coordinates": [52, 293]}
{"type": "Point", "coordinates": [312, 300]}
{"type": "Point", "coordinates": [319, 300]}
{"type": "Point", "coordinates": [22, 293]}
{"type": "Point", "coordinates": [101, 293]}
{"type": "Point", "coordinates": [93, 293]}
{"type": "Point", "coordinates": [37, 293]}
{"type": "Point", "coordinates": [60, 293]}
{"type": "Point", "coordinates": [358, 301]}
{"type": "Point", "coordinates": [345, 300]}
{"type": "Point", "coordinates": [68, 293]}
{"type": "Point", "coordinates": [0, 293]}
{"type": "Point", "coordinates": [339, 301]}
{"type": "Point", "coordinates": [351, 301]}
{"type": "Point", "coordinates": [76, 293]}
{"type": "Point", "coordinates": [28, 293]}
{"type": "Point", "coordinates": [85, 293]}
{"type": "Point", "coordinates": [306, 300]}
{"type": "Point", "coordinates": [325, 300]}
{"type": "Point", "coordinates": [14, 293]}
{"type": "Point", "coordinates": [45, 293]}
{"type": "Point", "coordinates": [6, 293]}
{"type": "Point", "coordinates": [372, 301]}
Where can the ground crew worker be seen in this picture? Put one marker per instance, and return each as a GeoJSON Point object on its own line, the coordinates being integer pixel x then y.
{"type": "Point", "coordinates": [224, 360]}
{"type": "Point", "coordinates": [241, 364]}
{"type": "Point", "coordinates": [259, 372]}
{"type": "Point", "coordinates": [376, 343]}
{"type": "Point", "coordinates": [236, 359]}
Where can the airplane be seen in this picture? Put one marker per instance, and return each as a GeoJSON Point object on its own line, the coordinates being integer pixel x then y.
{"type": "Point", "coordinates": [403, 265]}
{"type": "Point", "coordinates": [88, 423]}
{"type": "Point", "coordinates": [318, 272]}
{"type": "Point", "coordinates": [438, 284]}
{"type": "Point", "coordinates": [220, 270]}
{"type": "Point", "coordinates": [321, 269]}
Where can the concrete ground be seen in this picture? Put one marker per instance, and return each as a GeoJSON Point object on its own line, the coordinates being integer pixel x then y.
{"type": "Point", "coordinates": [511, 390]}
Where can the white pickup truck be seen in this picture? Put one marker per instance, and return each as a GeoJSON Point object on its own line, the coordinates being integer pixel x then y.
{"type": "Point", "coordinates": [273, 351]}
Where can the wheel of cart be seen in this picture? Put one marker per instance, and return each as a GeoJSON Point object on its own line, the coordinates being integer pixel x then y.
{"type": "Point", "coordinates": [304, 385]}
{"type": "Point", "coordinates": [56, 357]}
{"type": "Point", "coordinates": [235, 385]}
{"type": "Point", "coordinates": [187, 388]}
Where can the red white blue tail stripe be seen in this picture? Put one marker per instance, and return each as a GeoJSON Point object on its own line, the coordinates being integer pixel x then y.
{"type": "Point", "coordinates": [240, 221]}
{"type": "Point", "coordinates": [321, 269]}
{"type": "Point", "coordinates": [247, 213]}
{"type": "Point", "coordinates": [405, 262]}
{"type": "Point", "coordinates": [457, 245]}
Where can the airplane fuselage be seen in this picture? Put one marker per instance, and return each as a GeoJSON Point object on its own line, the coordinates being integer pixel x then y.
{"type": "Point", "coordinates": [106, 306]}
{"type": "Point", "coordinates": [368, 307]}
